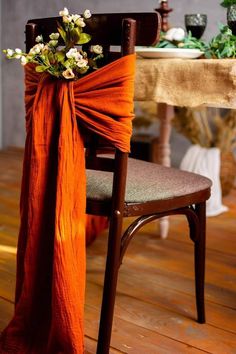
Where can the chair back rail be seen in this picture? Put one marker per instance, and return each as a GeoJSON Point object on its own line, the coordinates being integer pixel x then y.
{"type": "Point", "coordinates": [105, 29]}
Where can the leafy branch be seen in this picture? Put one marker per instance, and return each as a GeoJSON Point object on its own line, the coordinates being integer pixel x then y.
{"type": "Point", "coordinates": [67, 62]}
{"type": "Point", "coordinates": [223, 45]}
{"type": "Point", "coordinates": [228, 3]}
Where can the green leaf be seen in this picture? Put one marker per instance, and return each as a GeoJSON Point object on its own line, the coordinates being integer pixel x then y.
{"type": "Point", "coordinates": [227, 3]}
{"type": "Point", "coordinates": [51, 57]}
{"type": "Point", "coordinates": [41, 68]}
{"type": "Point", "coordinates": [75, 35]}
{"type": "Point", "coordinates": [67, 64]}
{"type": "Point", "coordinates": [165, 44]}
{"type": "Point", "coordinates": [62, 33]}
{"type": "Point", "coordinates": [84, 38]}
{"type": "Point", "coordinates": [60, 56]}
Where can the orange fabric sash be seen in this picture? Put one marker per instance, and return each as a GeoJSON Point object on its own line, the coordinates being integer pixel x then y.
{"type": "Point", "coordinates": [50, 286]}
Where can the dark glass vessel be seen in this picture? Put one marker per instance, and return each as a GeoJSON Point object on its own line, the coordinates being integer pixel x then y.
{"type": "Point", "coordinates": [197, 31]}
{"type": "Point", "coordinates": [196, 23]}
{"type": "Point", "coordinates": [231, 18]}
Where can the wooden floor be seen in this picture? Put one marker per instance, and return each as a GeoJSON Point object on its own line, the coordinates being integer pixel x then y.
{"type": "Point", "coordinates": [155, 308]}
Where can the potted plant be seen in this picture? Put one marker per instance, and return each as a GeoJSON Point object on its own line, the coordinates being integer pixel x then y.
{"type": "Point", "coordinates": [231, 13]}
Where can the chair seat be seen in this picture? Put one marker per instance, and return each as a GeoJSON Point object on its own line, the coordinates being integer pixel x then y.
{"type": "Point", "coordinates": [146, 182]}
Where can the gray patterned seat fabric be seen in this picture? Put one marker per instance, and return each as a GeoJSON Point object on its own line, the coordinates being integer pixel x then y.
{"type": "Point", "coordinates": [146, 182]}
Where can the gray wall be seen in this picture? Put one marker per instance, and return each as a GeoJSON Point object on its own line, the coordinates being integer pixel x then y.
{"type": "Point", "coordinates": [15, 14]}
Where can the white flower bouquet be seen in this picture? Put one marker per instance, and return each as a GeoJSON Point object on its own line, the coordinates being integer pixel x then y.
{"type": "Point", "coordinates": [68, 62]}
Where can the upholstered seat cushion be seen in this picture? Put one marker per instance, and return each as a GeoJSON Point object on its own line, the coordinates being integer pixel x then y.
{"type": "Point", "coordinates": [146, 182]}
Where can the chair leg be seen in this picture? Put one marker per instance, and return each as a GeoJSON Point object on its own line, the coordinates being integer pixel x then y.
{"type": "Point", "coordinates": [110, 283]}
{"type": "Point", "coordinates": [199, 250]}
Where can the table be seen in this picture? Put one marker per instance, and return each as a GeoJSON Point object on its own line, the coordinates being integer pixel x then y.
{"type": "Point", "coordinates": [183, 82]}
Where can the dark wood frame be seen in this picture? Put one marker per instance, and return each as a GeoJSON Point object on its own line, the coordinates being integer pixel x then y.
{"type": "Point", "coordinates": [127, 30]}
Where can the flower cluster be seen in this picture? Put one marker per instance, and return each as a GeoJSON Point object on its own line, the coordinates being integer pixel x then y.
{"type": "Point", "coordinates": [67, 62]}
{"type": "Point", "coordinates": [175, 34]}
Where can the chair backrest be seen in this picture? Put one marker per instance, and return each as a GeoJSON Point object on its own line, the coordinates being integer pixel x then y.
{"type": "Point", "coordinates": [121, 29]}
{"type": "Point", "coordinates": [105, 29]}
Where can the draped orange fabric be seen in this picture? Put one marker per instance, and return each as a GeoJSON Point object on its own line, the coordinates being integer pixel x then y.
{"type": "Point", "coordinates": [50, 284]}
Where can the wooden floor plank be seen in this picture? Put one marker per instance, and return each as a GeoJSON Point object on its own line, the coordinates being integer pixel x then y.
{"type": "Point", "coordinates": [155, 307]}
{"type": "Point", "coordinates": [153, 292]}
{"type": "Point", "coordinates": [6, 311]}
{"type": "Point", "coordinates": [132, 338]}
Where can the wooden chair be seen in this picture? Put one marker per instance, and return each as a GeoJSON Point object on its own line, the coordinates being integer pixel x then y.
{"type": "Point", "coordinates": [120, 187]}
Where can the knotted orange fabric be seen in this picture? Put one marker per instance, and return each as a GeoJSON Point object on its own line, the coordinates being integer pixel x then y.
{"type": "Point", "coordinates": [50, 287]}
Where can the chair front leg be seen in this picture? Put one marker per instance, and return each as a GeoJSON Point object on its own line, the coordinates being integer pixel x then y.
{"type": "Point", "coordinates": [199, 254]}
{"type": "Point", "coordinates": [110, 283]}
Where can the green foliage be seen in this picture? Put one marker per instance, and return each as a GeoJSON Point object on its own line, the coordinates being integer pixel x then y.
{"type": "Point", "coordinates": [189, 42]}
{"type": "Point", "coordinates": [60, 56]}
{"type": "Point", "coordinates": [62, 32]}
{"type": "Point", "coordinates": [41, 68]}
{"type": "Point", "coordinates": [83, 38]}
{"type": "Point", "coordinates": [228, 3]}
{"type": "Point", "coordinates": [223, 45]}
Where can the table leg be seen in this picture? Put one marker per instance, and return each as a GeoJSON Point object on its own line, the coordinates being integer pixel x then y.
{"type": "Point", "coordinates": [165, 114]}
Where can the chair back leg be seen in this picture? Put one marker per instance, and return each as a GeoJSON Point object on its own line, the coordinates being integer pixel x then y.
{"type": "Point", "coordinates": [110, 283]}
{"type": "Point", "coordinates": [199, 261]}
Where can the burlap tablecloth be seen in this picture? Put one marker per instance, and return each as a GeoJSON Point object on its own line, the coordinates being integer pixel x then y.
{"type": "Point", "coordinates": [188, 82]}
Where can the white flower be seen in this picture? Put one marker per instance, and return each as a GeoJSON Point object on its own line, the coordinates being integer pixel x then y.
{"type": "Point", "coordinates": [97, 49]}
{"type": "Point", "coordinates": [39, 39]}
{"type": "Point", "coordinates": [24, 60]}
{"type": "Point", "coordinates": [75, 17]}
{"type": "Point", "coordinates": [36, 49]}
{"type": "Point", "coordinates": [73, 53]}
{"type": "Point", "coordinates": [80, 22]}
{"type": "Point", "coordinates": [67, 19]}
{"type": "Point", "coordinates": [46, 48]}
{"type": "Point", "coordinates": [81, 63]}
{"type": "Point", "coordinates": [54, 35]}
{"type": "Point", "coordinates": [175, 34]}
{"type": "Point", "coordinates": [68, 74]}
{"type": "Point", "coordinates": [87, 13]}
{"type": "Point", "coordinates": [18, 52]}
{"type": "Point", "coordinates": [41, 46]}
{"type": "Point", "coordinates": [64, 12]}
{"type": "Point", "coordinates": [53, 43]}
{"type": "Point", "coordinates": [179, 35]}
{"type": "Point", "coordinates": [10, 52]}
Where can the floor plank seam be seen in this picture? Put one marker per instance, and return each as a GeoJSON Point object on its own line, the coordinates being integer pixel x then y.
{"type": "Point", "coordinates": [7, 300]}
{"type": "Point", "coordinates": [111, 347]}
{"type": "Point", "coordinates": [165, 336]}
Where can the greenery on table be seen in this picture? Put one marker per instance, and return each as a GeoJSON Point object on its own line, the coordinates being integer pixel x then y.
{"type": "Point", "coordinates": [228, 3]}
{"type": "Point", "coordinates": [223, 45]}
{"type": "Point", "coordinates": [188, 42]}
